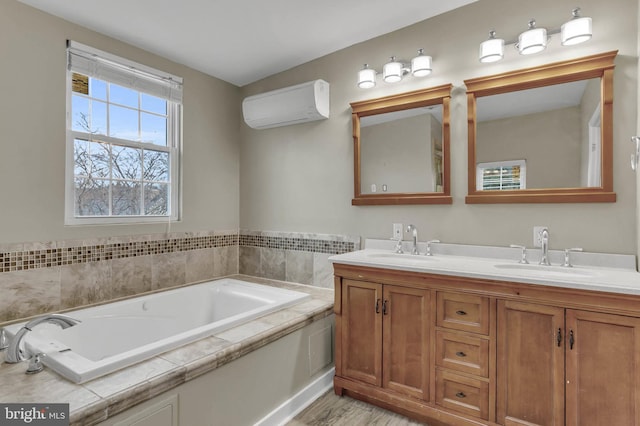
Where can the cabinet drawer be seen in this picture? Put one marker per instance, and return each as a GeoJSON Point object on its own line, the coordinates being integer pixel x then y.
{"type": "Point", "coordinates": [463, 394]}
{"type": "Point", "coordinates": [464, 312]}
{"type": "Point", "coordinates": [464, 353]}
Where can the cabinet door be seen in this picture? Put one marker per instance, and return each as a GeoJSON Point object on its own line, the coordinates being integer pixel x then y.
{"type": "Point", "coordinates": [530, 364]}
{"type": "Point", "coordinates": [603, 369]}
{"type": "Point", "coordinates": [406, 317]}
{"type": "Point", "coordinates": [362, 331]}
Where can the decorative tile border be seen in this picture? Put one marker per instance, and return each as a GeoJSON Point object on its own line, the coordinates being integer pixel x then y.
{"type": "Point", "coordinates": [47, 255]}
{"type": "Point", "coordinates": [51, 257]}
{"type": "Point", "coordinates": [316, 243]}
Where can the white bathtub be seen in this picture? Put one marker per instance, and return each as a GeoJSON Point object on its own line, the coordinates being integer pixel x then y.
{"type": "Point", "coordinates": [119, 334]}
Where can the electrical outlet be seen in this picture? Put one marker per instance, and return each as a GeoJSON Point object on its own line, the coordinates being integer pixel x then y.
{"type": "Point", "coordinates": [397, 231]}
{"type": "Point", "coordinates": [537, 235]}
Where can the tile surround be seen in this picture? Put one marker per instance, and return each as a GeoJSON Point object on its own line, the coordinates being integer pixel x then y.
{"type": "Point", "coordinates": [47, 255]}
{"type": "Point", "coordinates": [36, 278]}
{"type": "Point", "coordinates": [296, 257]}
{"type": "Point", "coordinates": [41, 277]}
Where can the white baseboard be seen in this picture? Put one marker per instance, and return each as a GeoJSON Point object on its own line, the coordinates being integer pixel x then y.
{"type": "Point", "coordinates": [298, 402]}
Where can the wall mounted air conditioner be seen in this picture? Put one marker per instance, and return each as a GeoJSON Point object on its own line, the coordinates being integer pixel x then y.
{"type": "Point", "coordinates": [291, 105]}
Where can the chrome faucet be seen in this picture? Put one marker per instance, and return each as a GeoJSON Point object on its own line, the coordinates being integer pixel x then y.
{"type": "Point", "coordinates": [428, 253]}
{"type": "Point", "coordinates": [414, 231]}
{"type": "Point", "coordinates": [4, 340]}
{"type": "Point", "coordinates": [544, 255]}
{"type": "Point", "coordinates": [15, 354]}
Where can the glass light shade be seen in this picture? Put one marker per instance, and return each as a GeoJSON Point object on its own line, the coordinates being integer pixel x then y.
{"type": "Point", "coordinates": [577, 30]}
{"type": "Point", "coordinates": [532, 41]}
{"type": "Point", "coordinates": [491, 50]}
{"type": "Point", "coordinates": [366, 78]}
{"type": "Point", "coordinates": [421, 65]}
{"type": "Point", "coordinates": [392, 71]}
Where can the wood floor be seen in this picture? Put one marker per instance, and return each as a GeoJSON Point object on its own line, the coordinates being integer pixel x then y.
{"type": "Point", "coordinates": [334, 410]}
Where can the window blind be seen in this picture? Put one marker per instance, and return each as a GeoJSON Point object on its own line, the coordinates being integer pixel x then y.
{"type": "Point", "coordinates": [104, 66]}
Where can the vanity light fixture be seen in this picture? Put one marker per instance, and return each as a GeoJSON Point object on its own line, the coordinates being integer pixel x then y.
{"type": "Point", "coordinates": [577, 30]}
{"type": "Point", "coordinates": [366, 77]}
{"type": "Point", "coordinates": [533, 40]}
{"type": "Point", "coordinates": [491, 50]}
{"type": "Point", "coordinates": [421, 64]}
{"type": "Point", "coordinates": [395, 70]}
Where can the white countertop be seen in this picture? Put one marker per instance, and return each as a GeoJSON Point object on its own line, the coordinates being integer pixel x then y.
{"type": "Point", "coordinates": [614, 273]}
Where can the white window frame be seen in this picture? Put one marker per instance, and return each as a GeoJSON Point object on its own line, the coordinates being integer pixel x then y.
{"type": "Point", "coordinates": [174, 148]}
{"type": "Point", "coordinates": [481, 167]}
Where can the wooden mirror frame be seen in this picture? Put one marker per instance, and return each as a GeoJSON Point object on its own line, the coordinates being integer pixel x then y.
{"type": "Point", "coordinates": [595, 66]}
{"type": "Point", "coordinates": [415, 99]}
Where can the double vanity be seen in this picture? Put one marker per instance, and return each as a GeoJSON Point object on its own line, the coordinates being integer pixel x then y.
{"type": "Point", "coordinates": [471, 336]}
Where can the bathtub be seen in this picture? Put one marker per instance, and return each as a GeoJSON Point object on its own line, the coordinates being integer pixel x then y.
{"type": "Point", "coordinates": [119, 334]}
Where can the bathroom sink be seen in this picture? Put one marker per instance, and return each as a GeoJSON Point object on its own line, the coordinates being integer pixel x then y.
{"type": "Point", "coordinates": [546, 271]}
{"type": "Point", "coordinates": [401, 257]}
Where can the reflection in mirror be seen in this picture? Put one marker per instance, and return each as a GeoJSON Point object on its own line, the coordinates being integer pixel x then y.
{"type": "Point", "coordinates": [543, 134]}
{"type": "Point", "coordinates": [401, 151]}
{"type": "Point", "coordinates": [401, 148]}
{"type": "Point", "coordinates": [546, 137]}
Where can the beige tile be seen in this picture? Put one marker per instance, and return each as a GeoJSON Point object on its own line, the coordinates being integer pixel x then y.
{"type": "Point", "coordinates": [85, 283]}
{"type": "Point", "coordinates": [249, 260]}
{"type": "Point", "coordinates": [272, 263]}
{"type": "Point", "coordinates": [244, 331]}
{"type": "Point", "coordinates": [299, 266]}
{"type": "Point", "coordinates": [44, 245]}
{"type": "Point", "coordinates": [168, 270]}
{"type": "Point", "coordinates": [28, 293]}
{"type": "Point", "coordinates": [199, 265]}
{"type": "Point", "coordinates": [46, 386]}
{"type": "Point", "coordinates": [122, 380]}
{"type": "Point", "coordinates": [131, 275]}
{"type": "Point", "coordinates": [283, 317]}
{"type": "Point", "coordinates": [196, 350]}
{"type": "Point", "coordinates": [225, 261]}
{"type": "Point", "coordinates": [11, 247]}
{"type": "Point", "coordinates": [322, 270]}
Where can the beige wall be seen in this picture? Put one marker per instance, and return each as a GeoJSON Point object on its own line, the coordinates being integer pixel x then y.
{"type": "Point", "coordinates": [397, 154]}
{"type": "Point", "coordinates": [549, 142]}
{"type": "Point", "coordinates": [32, 124]}
{"type": "Point", "coordinates": [301, 177]}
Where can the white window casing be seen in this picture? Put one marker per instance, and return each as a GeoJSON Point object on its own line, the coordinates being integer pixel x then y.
{"type": "Point", "coordinates": [111, 69]}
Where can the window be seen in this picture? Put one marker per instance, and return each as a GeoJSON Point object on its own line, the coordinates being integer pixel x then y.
{"type": "Point", "coordinates": [123, 140]}
{"type": "Point", "coordinates": [501, 175]}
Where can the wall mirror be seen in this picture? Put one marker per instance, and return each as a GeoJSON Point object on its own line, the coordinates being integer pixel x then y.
{"type": "Point", "coordinates": [401, 148]}
{"type": "Point", "coordinates": [543, 134]}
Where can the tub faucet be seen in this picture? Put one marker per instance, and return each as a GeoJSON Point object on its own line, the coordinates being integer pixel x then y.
{"type": "Point", "coordinates": [15, 354]}
{"type": "Point", "coordinates": [4, 340]}
{"type": "Point", "coordinates": [414, 233]}
{"type": "Point", "coordinates": [544, 255]}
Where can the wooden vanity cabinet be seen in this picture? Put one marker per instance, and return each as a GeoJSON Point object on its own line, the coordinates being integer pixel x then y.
{"type": "Point", "coordinates": [459, 351]}
{"type": "Point", "coordinates": [565, 366]}
{"type": "Point", "coordinates": [603, 369]}
{"type": "Point", "coordinates": [385, 336]}
{"type": "Point", "coordinates": [530, 364]}
{"type": "Point", "coordinates": [463, 342]}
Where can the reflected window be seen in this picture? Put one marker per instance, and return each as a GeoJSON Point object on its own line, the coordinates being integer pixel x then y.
{"type": "Point", "coordinates": [501, 175]}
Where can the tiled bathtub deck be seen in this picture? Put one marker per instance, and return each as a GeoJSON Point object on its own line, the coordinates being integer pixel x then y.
{"type": "Point", "coordinates": [99, 399]}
